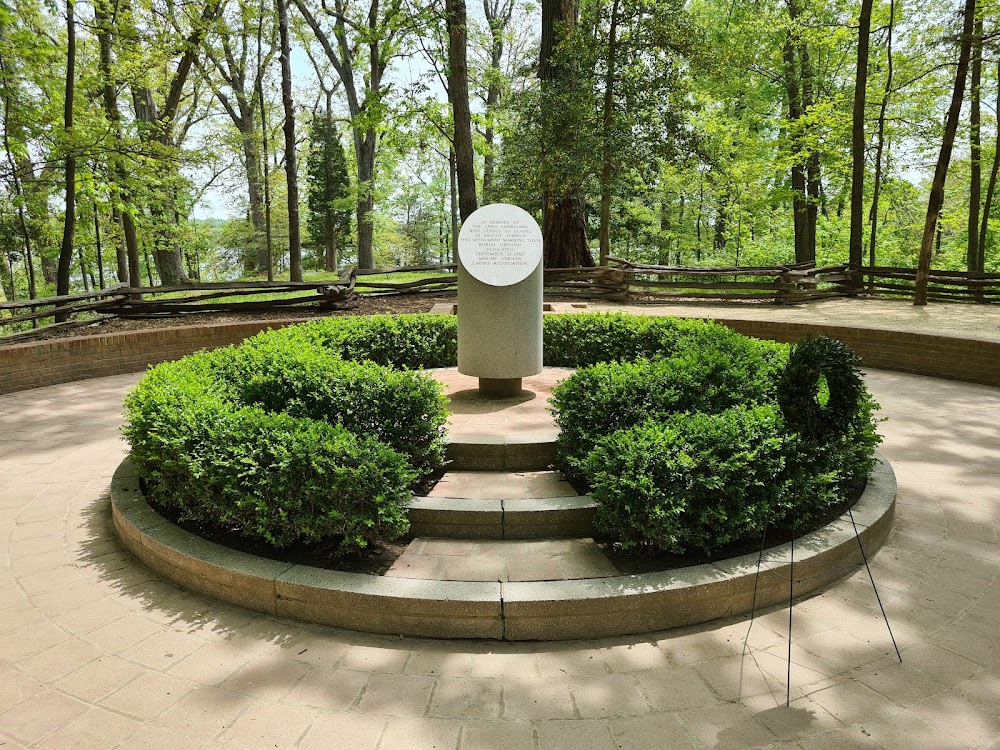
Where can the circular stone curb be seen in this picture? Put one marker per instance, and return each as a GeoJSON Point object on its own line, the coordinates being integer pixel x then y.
{"type": "Point", "coordinates": [538, 610]}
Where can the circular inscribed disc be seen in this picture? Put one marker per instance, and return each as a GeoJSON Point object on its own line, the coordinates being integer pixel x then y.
{"type": "Point", "coordinates": [500, 244]}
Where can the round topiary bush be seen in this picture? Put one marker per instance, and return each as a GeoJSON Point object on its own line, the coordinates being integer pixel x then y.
{"type": "Point", "coordinates": [283, 440]}
{"type": "Point", "coordinates": [691, 481]}
{"type": "Point", "coordinates": [715, 439]}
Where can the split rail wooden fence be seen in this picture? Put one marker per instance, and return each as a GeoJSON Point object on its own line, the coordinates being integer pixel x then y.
{"type": "Point", "coordinates": [621, 280]}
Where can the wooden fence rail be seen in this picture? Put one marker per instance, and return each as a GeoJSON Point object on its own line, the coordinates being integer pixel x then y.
{"type": "Point", "coordinates": [621, 280]}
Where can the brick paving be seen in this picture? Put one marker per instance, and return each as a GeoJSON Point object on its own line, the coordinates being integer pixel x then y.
{"type": "Point", "coordinates": [98, 653]}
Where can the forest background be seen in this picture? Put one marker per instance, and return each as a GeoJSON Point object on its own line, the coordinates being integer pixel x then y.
{"type": "Point", "coordinates": [163, 141]}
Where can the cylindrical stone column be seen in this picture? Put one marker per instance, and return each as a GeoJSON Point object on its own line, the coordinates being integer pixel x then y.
{"type": "Point", "coordinates": [500, 298]}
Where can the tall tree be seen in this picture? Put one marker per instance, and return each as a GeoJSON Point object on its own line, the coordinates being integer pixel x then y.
{"type": "Point", "coordinates": [498, 17]}
{"type": "Point", "coordinates": [362, 44]}
{"type": "Point", "coordinates": [858, 142]}
{"type": "Point", "coordinates": [994, 172]}
{"type": "Point", "coordinates": [975, 260]}
{"type": "Point", "coordinates": [291, 168]}
{"type": "Point", "coordinates": [19, 196]}
{"type": "Point", "coordinates": [242, 73]}
{"type": "Point", "coordinates": [458, 95]}
{"type": "Point", "coordinates": [607, 117]}
{"type": "Point", "coordinates": [69, 220]}
{"type": "Point", "coordinates": [127, 255]}
{"type": "Point", "coordinates": [158, 127]}
{"type": "Point", "coordinates": [805, 166]}
{"type": "Point", "coordinates": [329, 223]}
{"type": "Point", "coordinates": [880, 136]}
{"type": "Point", "coordinates": [936, 199]}
{"type": "Point", "coordinates": [564, 221]}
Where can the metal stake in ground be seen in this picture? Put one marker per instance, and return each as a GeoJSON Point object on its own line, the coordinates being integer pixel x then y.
{"type": "Point", "coordinates": [500, 298]}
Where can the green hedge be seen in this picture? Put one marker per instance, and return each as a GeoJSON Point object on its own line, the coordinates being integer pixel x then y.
{"type": "Point", "coordinates": [322, 430]}
{"type": "Point", "coordinates": [405, 410]}
{"type": "Point", "coordinates": [694, 452]}
{"type": "Point", "coordinates": [694, 481]}
{"type": "Point", "coordinates": [603, 398]}
{"type": "Point", "coordinates": [282, 440]}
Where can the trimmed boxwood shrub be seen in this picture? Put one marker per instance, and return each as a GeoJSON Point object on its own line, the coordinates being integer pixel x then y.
{"type": "Point", "coordinates": [600, 399]}
{"type": "Point", "coordinates": [412, 341]}
{"type": "Point", "coordinates": [285, 442]}
{"type": "Point", "coordinates": [403, 409]}
{"type": "Point", "coordinates": [318, 431]}
{"type": "Point", "coordinates": [693, 481]}
{"type": "Point", "coordinates": [711, 471]}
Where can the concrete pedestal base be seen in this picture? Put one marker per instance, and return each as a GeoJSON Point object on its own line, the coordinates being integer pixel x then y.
{"type": "Point", "coordinates": [499, 387]}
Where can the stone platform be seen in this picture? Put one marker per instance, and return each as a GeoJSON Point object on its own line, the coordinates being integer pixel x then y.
{"type": "Point", "coordinates": [496, 434]}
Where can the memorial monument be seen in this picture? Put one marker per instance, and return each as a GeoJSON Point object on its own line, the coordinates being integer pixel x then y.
{"type": "Point", "coordinates": [500, 298]}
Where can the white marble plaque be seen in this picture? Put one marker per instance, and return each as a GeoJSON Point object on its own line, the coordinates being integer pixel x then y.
{"type": "Point", "coordinates": [500, 244]}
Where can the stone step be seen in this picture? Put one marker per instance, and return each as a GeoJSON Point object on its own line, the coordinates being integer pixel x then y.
{"type": "Point", "coordinates": [515, 518]}
{"type": "Point", "coordinates": [500, 485]}
{"type": "Point", "coordinates": [502, 505]}
{"type": "Point", "coordinates": [497, 434]}
{"type": "Point", "coordinates": [431, 558]}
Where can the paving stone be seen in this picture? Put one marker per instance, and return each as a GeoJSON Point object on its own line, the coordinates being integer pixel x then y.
{"type": "Point", "coordinates": [148, 695]}
{"type": "Point", "coordinates": [265, 725]}
{"type": "Point", "coordinates": [497, 735]}
{"type": "Point", "coordinates": [942, 596]}
{"type": "Point", "coordinates": [38, 715]}
{"type": "Point", "coordinates": [204, 713]}
{"type": "Point", "coordinates": [95, 729]}
{"type": "Point", "coordinates": [343, 731]}
{"type": "Point", "coordinates": [432, 734]}
{"type": "Point", "coordinates": [537, 699]}
{"type": "Point", "coordinates": [397, 695]}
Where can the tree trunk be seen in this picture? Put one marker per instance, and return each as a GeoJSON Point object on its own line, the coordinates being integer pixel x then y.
{"type": "Point", "coordinates": [607, 166]}
{"type": "Point", "coordinates": [936, 199]}
{"type": "Point", "coordinates": [69, 222]}
{"type": "Point", "coordinates": [975, 260]}
{"type": "Point", "coordinates": [453, 213]}
{"type": "Point", "coordinates": [883, 107]}
{"type": "Point", "coordinates": [856, 251]}
{"type": "Point", "coordinates": [565, 233]}
{"type": "Point", "coordinates": [564, 221]}
{"type": "Point", "coordinates": [366, 201]}
{"type": "Point", "coordinates": [991, 189]}
{"type": "Point", "coordinates": [97, 242]}
{"type": "Point", "coordinates": [291, 169]}
{"type": "Point", "coordinates": [813, 177]}
{"type": "Point", "coordinates": [256, 260]}
{"type": "Point", "coordinates": [268, 240]}
{"type": "Point", "coordinates": [458, 93]}
{"type": "Point", "coordinates": [800, 218]}
{"type": "Point", "coordinates": [498, 14]}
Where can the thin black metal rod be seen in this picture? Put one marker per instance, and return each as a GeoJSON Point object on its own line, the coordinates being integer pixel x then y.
{"type": "Point", "coordinates": [791, 590]}
{"type": "Point", "coordinates": [871, 578]}
{"type": "Point", "coordinates": [756, 583]}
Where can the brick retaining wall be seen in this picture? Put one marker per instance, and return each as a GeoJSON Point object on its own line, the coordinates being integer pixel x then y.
{"type": "Point", "coordinates": [41, 363]}
{"type": "Point", "coordinates": [32, 365]}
